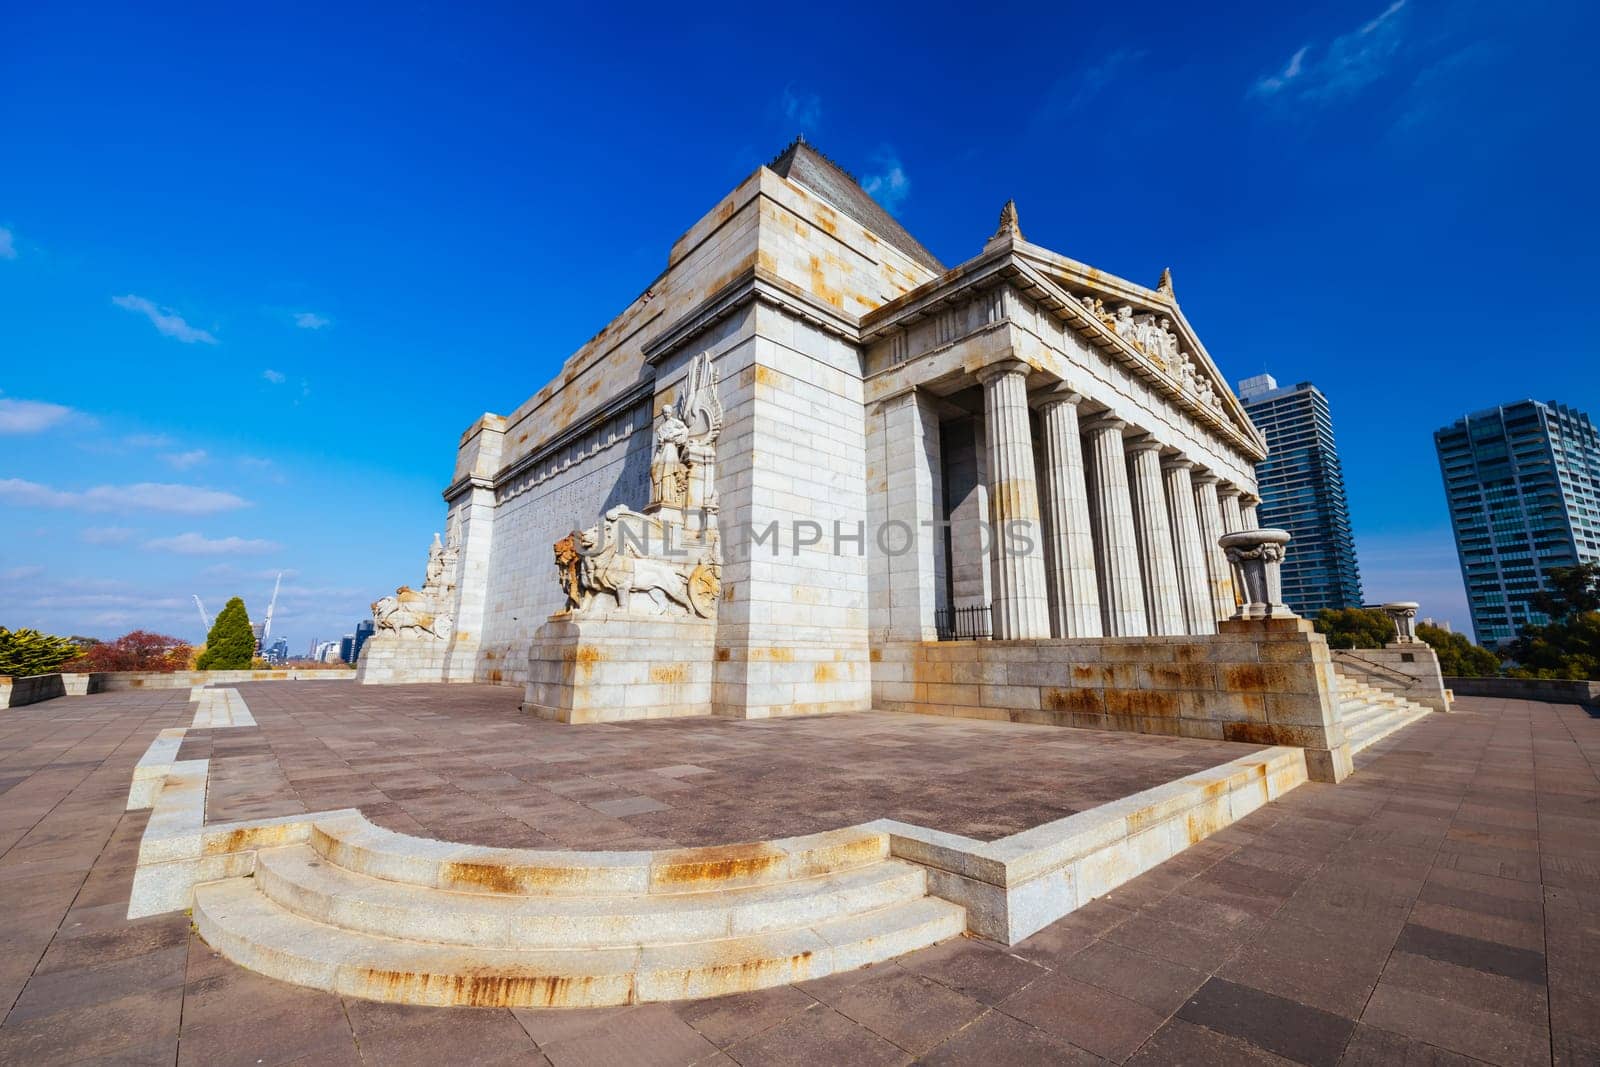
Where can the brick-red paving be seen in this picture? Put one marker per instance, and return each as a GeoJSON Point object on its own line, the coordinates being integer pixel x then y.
{"type": "Point", "coordinates": [461, 763]}
{"type": "Point", "coordinates": [1440, 906]}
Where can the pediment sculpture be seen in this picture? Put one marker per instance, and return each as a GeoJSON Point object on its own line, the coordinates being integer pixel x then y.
{"type": "Point", "coordinates": [1152, 335]}
{"type": "Point", "coordinates": [427, 612]}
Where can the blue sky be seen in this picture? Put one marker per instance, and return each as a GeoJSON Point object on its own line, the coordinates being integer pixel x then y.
{"type": "Point", "coordinates": [259, 269]}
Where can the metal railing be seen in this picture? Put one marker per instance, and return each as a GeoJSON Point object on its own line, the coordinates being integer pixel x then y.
{"type": "Point", "coordinates": [1362, 665]}
{"type": "Point", "coordinates": [963, 624]}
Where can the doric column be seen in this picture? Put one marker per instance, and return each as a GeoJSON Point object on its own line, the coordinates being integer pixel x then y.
{"type": "Point", "coordinates": [1111, 520]}
{"type": "Point", "coordinates": [1247, 512]}
{"type": "Point", "coordinates": [1162, 601]}
{"type": "Point", "coordinates": [1021, 607]}
{"type": "Point", "coordinates": [1193, 582]}
{"type": "Point", "coordinates": [1074, 588]}
{"type": "Point", "coordinates": [1217, 569]}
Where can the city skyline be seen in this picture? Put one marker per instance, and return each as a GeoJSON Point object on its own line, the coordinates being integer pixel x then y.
{"type": "Point", "coordinates": [329, 287]}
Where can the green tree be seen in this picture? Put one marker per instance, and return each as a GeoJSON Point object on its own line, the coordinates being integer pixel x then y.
{"type": "Point", "coordinates": [25, 652]}
{"type": "Point", "coordinates": [1568, 646]}
{"type": "Point", "coordinates": [1573, 591]}
{"type": "Point", "coordinates": [1459, 657]}
{"type": "Point", "coordinates": [230, 645]}
{"type": "Point", "coordinates": [1355, 627]}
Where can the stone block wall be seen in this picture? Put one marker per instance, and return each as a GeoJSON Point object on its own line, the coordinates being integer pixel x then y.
{"type": "Point", "coordinates": [792, 627]}
{"type": "Point", "coordinates": [609, 670]}
{"type": "Point", "coordinates": [1267, 682]}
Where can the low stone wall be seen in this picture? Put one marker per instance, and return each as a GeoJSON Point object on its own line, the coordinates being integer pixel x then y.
{"type": "Point", "coordinates": [117, 681]}
{"type": "Point", "coordinates": [1410, 671]}
{"type": "Point", "coordinates": [15, 692]}
{"type": "Point", "coordinates": [1267, 681]}
{"type": "Point", "coordinates": [1550, 690]}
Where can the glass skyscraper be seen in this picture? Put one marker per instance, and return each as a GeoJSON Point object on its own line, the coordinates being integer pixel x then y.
{"type": "Point", "coordinates": [1523, 485]}
{"type": "Point", "coordinates": [1302, 491]}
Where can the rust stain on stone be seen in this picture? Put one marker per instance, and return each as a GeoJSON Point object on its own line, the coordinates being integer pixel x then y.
{"type": "Point", "coordinates": [724, 655]}
{"type": "Point", "coordinates": [722, 863]}
{"type": "Point", "coordinates": [822, 673]}
{"type": "Point", "coordinates": [670, 674]}
{"type": "Point", "coordinates": [1244, 678]}
{"type": "Point", "coordinates": [484, 990]}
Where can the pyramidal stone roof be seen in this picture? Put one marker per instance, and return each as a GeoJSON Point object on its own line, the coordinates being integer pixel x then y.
{"type": "Point", "coordinates": [804, 164]}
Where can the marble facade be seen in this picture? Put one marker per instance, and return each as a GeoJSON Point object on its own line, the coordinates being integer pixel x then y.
{"type": "Point", "coordinates": [884, 426]}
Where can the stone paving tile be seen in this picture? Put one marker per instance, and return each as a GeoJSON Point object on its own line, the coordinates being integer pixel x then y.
{"type": "Point", "coordinates": [687, 781]}
{"type": "Point", "coordinates": [915, 1013]}
{"type": "Point", "coordinates": [1277, 1024]}
{"type": "Point", "coordinates": [1391, 909]}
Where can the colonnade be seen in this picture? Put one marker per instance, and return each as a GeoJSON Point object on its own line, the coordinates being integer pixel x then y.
{"type": "Point", "coordinates": [1129, 527]}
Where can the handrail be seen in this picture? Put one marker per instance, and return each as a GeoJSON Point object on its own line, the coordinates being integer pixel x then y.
{"type": "Point", "coordinates": [1345, 655]}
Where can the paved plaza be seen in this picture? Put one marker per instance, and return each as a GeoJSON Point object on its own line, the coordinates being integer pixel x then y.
{"type": "Point", "coordinates": [461, 763]}
{"type": "Point", "coordinates": [1439, 906]}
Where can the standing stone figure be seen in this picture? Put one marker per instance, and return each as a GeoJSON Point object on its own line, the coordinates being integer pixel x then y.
{"type": "Point", "coordinates": [669, 475]}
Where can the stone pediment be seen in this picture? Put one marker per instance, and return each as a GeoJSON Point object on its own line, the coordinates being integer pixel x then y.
{"type": "Point", "coordinates": [1149, 324]}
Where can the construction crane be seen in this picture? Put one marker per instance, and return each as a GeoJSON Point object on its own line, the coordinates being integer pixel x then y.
{"type": "Point", "coordinates": [266, 627]}
{"type": "Point", "coordinates": [205, 620]}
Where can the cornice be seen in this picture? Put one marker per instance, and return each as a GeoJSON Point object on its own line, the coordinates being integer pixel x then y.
{"type": "Point", "coordinates": [750, 286]}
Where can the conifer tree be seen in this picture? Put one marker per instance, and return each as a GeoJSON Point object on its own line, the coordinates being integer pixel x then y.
{"type": "Point", "coordinates": [230, 646]}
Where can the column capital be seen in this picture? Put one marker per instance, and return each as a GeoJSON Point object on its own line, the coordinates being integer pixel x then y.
{"type": "Point", "coordinates": [1172, 463]}
{"type": "Point", "coordinates": [1228, 489]}
{"type": "Point", "coordinates": [1059, 393]}
{"type": "Point", "coordinates": [1205, 477]}
{"type": "Point", "coordinates": [1144, 444]}
{"type": "Point", "coordinates": [1105, 420]}
{"type": "Point", "coordinates": [1000, 369]}
{"type": "Point", "coordinates": [1248, 500]}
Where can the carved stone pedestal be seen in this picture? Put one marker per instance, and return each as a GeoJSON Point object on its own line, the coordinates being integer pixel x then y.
{"type": "Point", "coordinates": [620, 667]}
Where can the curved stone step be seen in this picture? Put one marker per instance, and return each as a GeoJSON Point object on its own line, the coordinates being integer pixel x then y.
{"type": "Point", "coordinates": [352, 842]}
{"type": "Point", "coordinates": [301, 880]}
{"type": "Point", "coordinates": [253, 931]}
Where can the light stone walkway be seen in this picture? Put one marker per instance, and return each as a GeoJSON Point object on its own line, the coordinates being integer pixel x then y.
{"type": "Point", "coordinates": [1439, 904]}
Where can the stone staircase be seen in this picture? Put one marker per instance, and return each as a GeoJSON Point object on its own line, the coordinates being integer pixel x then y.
{"type": "Point", "coordinates": [367, 912]}
{"type": "Point", "coordinates": [1370, 714]}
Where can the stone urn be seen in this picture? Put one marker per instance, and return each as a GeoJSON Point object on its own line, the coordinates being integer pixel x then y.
{"type": "Point", "coordinates": [1403, 613]}
{"type": "Point", "coordinates": [1257, 558]}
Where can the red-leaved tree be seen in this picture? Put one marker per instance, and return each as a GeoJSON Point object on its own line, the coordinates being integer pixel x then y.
{"type": "Point", "coordinates": [140, 650]}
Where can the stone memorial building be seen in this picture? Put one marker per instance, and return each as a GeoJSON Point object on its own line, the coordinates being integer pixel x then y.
{"type": "Point", "coordinates": [811, 468]}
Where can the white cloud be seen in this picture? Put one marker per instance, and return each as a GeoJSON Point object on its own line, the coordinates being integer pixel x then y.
{"type": "Point", "coordinates": [1348, 64]}
{"type": "Point", "coordinates": [1092, 80]}
{"type": "Point", "coordinates": [143, 496]}
{"type": "Point", "coordinates": [148, 440]}
{"type": "Point", "coordinates": [166, 321]}
{"type": "Point", "coordinates": [184, 460]}
{"type": "Point", "coordinates": [8, 247]}
{"type": "Point", "coordinates": [106, 535]}
{"type": "Point", "coordinates": [889, 185]}
{"type": "Point", "coordinates": [275, 377]}
{"type": "Point", "coordinates": [193, 544]}
{"type": "Point", "coordinates": [310, 320]}
{"type": "Point", "coordinates": [17, 574]}
{"type": "Point", "coordinates": [801, 108]}
{"type": "Point", "coordinates": [30, 416]}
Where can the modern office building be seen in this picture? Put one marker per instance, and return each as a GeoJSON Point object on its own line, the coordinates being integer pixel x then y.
{"type": "Point", "coordinates": [364, 630]}
{"type": "Point", "coordinates": [1302, 491]}
{"type": "Point", "coordinates": [1523, 485]}
{"type": "Point", "coordinates": [347, 645]}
